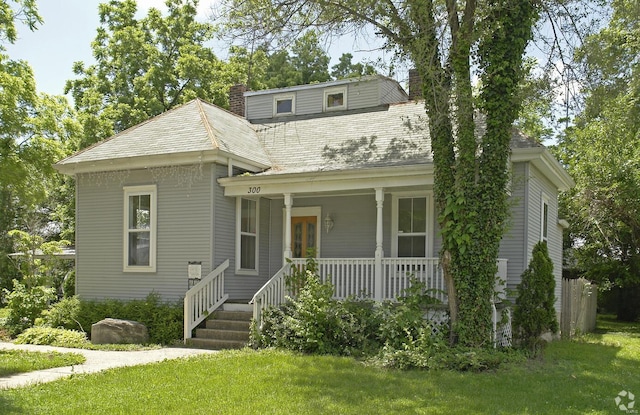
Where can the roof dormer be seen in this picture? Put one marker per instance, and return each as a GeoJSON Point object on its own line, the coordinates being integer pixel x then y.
{"type": "Point", "coordinates": [333, 96]}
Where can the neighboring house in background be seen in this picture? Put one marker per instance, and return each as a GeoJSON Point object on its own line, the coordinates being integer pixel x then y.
{"type": "Point", "coordinates": [343, 167]}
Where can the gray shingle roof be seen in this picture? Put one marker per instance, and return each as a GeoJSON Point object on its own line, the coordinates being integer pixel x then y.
{"type": "Point", "coordinates": [381, 136]}
{"type": "Point", "coordinates": [193, 127]}
{"type": "Point", "coordinates": [387, 135]}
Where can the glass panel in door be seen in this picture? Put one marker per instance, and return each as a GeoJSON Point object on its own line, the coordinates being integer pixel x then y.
{"type": "Point", "coordinates": [303, 235]}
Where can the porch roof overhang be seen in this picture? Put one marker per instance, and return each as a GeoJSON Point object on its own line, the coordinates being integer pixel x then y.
{"type": "Point", "coordinates": [161, 160]}
{"type": "Point", "coordinates": [542, 159]}
{"type": "Point", "coordinates": [364, 179]}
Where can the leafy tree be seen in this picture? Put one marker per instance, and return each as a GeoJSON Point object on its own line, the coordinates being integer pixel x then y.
{"type": "Point", "coordinates": [280, 71]}
{"type": "Point", "coordinates": [346, 69]}
{"type": "Point", "coordinates": [35, 131]}
{"type": "Point", "coordinates": [603, 155]}
{"type": "Point", "coordinates": [441, 40]}
{"type": "Point", "coordinates": [309, 59]}
{"type": "Point", "coordinates": [145, 67]}
{"type": "Point", "coordinates": [24, 11]}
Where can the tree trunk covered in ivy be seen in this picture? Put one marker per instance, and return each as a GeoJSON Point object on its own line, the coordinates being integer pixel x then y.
{"type": "Point", "coordinates": [444, 41]}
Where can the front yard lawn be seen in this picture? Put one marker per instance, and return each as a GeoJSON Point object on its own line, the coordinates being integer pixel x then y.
{"type": "Point", "coordinates": [18, 361]}
{"type": "Point", "coordinates": [574, 377]}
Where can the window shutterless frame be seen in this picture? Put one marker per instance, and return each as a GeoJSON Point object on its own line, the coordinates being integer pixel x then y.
{"type": "Point", "coordinates": [284, 104]}
{"type": "Point", "coordinates": [335, 99]}
{"type": "Point", "coordinates": [140, 228]}
{"type": "Point", "coordinates": [247, 225]}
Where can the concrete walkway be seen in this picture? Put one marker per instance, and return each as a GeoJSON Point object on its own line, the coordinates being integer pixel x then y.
{"type": "Point", "coordinates": [97, 360]}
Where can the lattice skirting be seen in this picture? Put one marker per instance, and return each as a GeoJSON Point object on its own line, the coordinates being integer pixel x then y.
{"type": "Point", "coordinates": [501, 335]}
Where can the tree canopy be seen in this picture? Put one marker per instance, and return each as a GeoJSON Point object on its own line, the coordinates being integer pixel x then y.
{"type": "Point", "coordinates": [602, 153]}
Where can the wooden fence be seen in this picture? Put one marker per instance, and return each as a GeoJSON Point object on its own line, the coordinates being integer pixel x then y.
{"type": "Point", "coordinates": [579, 306]}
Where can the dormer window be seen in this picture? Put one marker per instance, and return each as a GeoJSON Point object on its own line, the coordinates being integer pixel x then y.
{"type": "Point", "coordinates": [284, 105]}
{"type": "Point", "coordinates": [335, 99]}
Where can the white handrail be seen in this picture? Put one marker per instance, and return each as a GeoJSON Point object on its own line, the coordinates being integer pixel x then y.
{"type": "Point", "coordinates": [272, 293]}
{"type": "Point", "coordinates": [203, 298]}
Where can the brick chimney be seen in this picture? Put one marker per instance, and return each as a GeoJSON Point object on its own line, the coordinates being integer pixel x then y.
{"type": "Point", "coordinates": [236, 99]}
{"type": "Point", "coordinates": [415, 85]}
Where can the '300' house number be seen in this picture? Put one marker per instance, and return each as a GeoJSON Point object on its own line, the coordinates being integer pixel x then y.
{"type": "Point", "coordinates": [254, 190]}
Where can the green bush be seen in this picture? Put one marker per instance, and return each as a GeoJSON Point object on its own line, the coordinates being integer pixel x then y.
{"type": "Point", "coordinates": [64, 314]}
{"type": "Point", "coordinates": [25, 304]}
{"type": "Point", "coordinates": [315, 323]}
{"type": "Point", "coordinates": [534, 313]}
{"type": "Point", "coordinates": [164, 321]}
{"type": "Point", "coordinates": [52, 337]}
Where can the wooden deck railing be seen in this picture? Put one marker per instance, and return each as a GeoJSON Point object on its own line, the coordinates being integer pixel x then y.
{"type": "Point", "coordinates": [203, 298]}
{"type": "Point", "coordinates": [356, 277]}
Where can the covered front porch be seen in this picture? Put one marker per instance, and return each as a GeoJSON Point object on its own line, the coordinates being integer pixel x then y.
{"type": "Point", "coordinates": [380, 279]}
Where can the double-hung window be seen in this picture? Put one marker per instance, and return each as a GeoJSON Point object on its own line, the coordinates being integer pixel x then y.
{"type": "Point", "coordinates": [140, 223]}
{"type": "Point", "coordinates": [247, 242]}
{"type": "Point", "coordinates": [412, 226]}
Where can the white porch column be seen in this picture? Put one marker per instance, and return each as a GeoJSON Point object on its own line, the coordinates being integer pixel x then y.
{"type": "Point", "coordinates": [379, 251]}
{"type": "Point", "coordinates": [287, 227]}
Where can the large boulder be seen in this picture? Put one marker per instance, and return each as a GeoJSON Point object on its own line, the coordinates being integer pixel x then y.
{"type": "Point", "coordinates": [116, 331]}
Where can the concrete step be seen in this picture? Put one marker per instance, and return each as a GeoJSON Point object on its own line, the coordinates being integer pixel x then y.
{"type": "Point", "coordinates": [238, 306]}
{"type": "Point", "coordinates": [231, 315]}
{"type": "Point", "coordinates": [237, 325]}
{"type": "Point", "coordinates": [214, 344]}
{"type": "Point", "coordinates": [233, 335]}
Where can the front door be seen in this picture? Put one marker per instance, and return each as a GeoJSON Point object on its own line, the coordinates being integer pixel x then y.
{"type": "Point", "coordinates": [303, 235]}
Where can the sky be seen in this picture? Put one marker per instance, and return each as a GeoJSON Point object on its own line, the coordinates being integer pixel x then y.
{"type": "Point", "coordinates": [69, 28]}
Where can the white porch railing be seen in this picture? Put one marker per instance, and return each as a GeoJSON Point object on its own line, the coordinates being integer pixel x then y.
{"type": "Point", "coordinates": [271, 294]}
{"type": "Point", "coordinates": [356, 277]}
{"type": "Point", "coordinates": [203, 298]}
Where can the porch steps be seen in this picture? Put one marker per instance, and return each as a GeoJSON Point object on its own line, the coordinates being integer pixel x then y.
{"type": "Point", "coordinates": [227, 328]}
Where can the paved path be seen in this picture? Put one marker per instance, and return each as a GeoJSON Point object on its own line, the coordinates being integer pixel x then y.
{"type": "Point", "coordinates": [97, 360]}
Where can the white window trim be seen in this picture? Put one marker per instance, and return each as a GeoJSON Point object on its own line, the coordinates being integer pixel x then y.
{"type": "Point", "coordinates": [332, 91]}
{"type": "Point", "coordinates": [244, 271]}
{"type": "Point", "coordinates": [129, 191]}
{"type": "Point", "coordinates": [395, 197]}
{"type": "Point", "coordinates": [283, 97]}
{"type": "Point", "coordinates": [544, 201]}
{"type": "Point", "coordinates": [305, 211]}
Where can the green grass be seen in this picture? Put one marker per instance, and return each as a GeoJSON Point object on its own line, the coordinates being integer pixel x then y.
{"type": "Point", "coordinates": [574, 377]}
{"type": "Point", "coordinates": [19, 361]}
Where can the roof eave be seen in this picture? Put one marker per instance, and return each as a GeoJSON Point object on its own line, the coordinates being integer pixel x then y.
{"type": "Point", "coordinates": [545, 162]}
{"type": "Point", "coordinates": [162, 160]}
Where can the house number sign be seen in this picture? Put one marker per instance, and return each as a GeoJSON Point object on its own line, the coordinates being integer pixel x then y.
{"type": "Point", "coordinates": [254, 190]}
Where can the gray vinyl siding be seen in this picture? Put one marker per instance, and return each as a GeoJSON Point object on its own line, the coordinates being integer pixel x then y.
{"type": "Point", "coordinates": [363, 95]}
{"type": "Point", "coordinates": [513, 246]}
{"type": "Point", "coordinates": [539, 186]}
{"type": "Point", "coordinates": [259, 106]}
{"type": "Point", "coordinates": [183, 233]}
{"type": "Point", "coordinates": [368, 93]}
{"type": "Point", "coordinates": [390, 94]}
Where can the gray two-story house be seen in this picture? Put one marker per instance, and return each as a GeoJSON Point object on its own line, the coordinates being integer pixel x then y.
{"type": "Point", "coordinates": [342, 167]}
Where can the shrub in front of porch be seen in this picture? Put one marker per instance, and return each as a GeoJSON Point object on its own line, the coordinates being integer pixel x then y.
{"type": "Point", "coordinates": [395, 335]}
{"type": "Point", "coordinates": [315, 323]}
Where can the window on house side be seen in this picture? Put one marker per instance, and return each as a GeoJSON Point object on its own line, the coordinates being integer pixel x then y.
{"type": "Point", "coordinates": [248, 238]}
{"type": "Point", "coordinates": [335, 99]}
{"type": "Point", "coordinates": [140, 228]}
{"type": "Point", "coordinates": [412, 226]}
{"type": "Point", "coordinates": [544, 220]}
